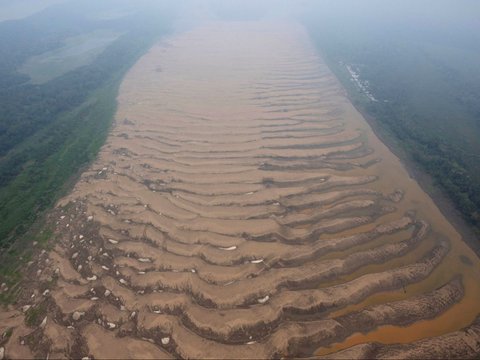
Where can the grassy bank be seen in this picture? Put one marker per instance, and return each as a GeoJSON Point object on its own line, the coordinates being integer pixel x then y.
{"type": "Point", "coordinates": [54, 130]}
{"type": "Point", "coordinates": [418, 84]}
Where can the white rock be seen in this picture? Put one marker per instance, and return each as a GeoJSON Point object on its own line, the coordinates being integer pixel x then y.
{"type": "Point", "coordinates": [141, 273]}
{"type": "Point", "coordinates": [44, 322]}
{"type": "Point", "coordinates": [144, 260]}
{"type": "Point", "coordinates": [2, 353]}
{"type": "Point", "coordinates": [62, 217]}
{"type": "Point", "coordinates": [80, 237]}
{"type": "Point", "coordinates": [86, 358]}
{"type": "Point", "coordinates": [258, 261]}
{"type": "Point", "coordinates": [90, 218]}
{"type": "Point", "coordinates": [57, 271]}
{"type": "Point", "coordinates": [111, 325]}
{"type": "Point", "coordinates": [111, 241]}
{"type": "Point", "coordinates": [92, 278]}
{"type": "Point", "coordinates": [46, 292]}
{"type": "Point", "coordinates": [26, 307]}
{"type": "Point", "coordinates": [123, 281]}
{"type": "Point", "coordinates": [165, 341]}
{"type": "Point", "coordinates": [193, 271]}
{"type": "Point", "coordinates": [74, 256]}
{"type": "Point", "coordinates": [251, 342]}
{"type": "Point", "coordinates": [77, 315]}
{"type": "Point", "coordinates": [105, 268]}
{"type": "Point", "coordinates": [107, 293]}
{"type": "Point", "coordinates": [264, 299]}
{"type": "Point", "coordinates": [94, 298]}
{"type": "Point", "coordinates": [132, 315]}
{"type": "Point", "coordinates": [79, 268]}
{"type": "Point", "coordinates": [229, 248]}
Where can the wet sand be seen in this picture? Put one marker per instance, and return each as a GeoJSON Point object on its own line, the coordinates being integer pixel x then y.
{"type": "Point", "coordinates": [242, 208]}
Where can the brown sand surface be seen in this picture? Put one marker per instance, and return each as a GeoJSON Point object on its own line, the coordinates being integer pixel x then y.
{"type": "Point", "coordinates": [242, 208]}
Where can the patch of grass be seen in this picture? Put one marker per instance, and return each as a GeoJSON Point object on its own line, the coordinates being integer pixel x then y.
{"type": "Point", "coordinates": [35, 315]}
{"type": "Point", "coordinates": [77, 51]}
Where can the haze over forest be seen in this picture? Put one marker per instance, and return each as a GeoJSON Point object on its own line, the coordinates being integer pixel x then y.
{"type": "Point", "coordinates": [239, 178]}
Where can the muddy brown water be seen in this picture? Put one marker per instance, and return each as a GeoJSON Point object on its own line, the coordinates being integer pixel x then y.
{"type": "Point", "coordinates": [227, 211]}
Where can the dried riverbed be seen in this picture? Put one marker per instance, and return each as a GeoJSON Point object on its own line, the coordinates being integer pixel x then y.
{"type": "Point", "coordinates": [242, 208]}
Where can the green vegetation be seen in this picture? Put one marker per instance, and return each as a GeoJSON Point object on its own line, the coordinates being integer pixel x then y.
{"type": "Point", "coordinates": [35, 315]}
{"type": "Point", "coordinates": [49, 131]}
{"type": "Point", "coordinates": [427, 86]}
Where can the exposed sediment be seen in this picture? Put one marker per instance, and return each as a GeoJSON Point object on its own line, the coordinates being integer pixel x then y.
{"type": "Point", "coordinates": [241, 209]}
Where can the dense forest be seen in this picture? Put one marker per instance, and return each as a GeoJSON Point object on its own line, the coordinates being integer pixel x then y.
{"type": "Point", "coordinates": [420, 71]}
{"type": "Point", "coordinates": [49, 131]}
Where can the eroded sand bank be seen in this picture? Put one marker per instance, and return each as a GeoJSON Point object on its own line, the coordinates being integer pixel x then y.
{"type": "Point", "coordinates": [242, 208]}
